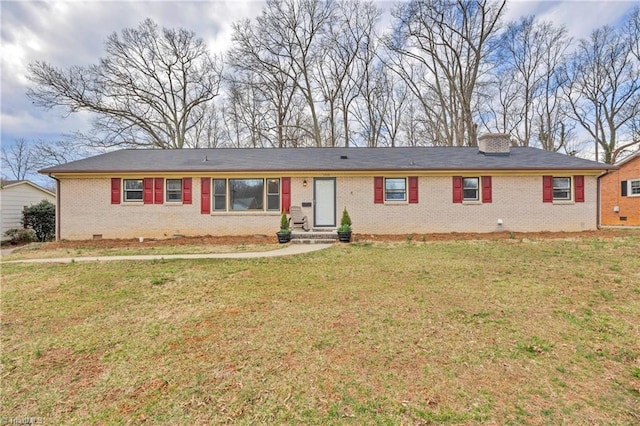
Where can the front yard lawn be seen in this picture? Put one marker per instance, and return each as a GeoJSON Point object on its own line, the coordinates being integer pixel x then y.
{"type": "Point", "coordinates": [507, 332]}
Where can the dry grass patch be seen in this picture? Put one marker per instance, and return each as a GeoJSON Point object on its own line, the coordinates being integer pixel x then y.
{"type": "Point", "coordinates": [51, 251]}
{"type": "Point", "coordinates": [505, 332]}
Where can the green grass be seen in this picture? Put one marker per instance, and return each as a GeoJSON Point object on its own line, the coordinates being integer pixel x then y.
{"type": "Point", "coordinates": [507, 332]}
{"type": "Point", "coordinates": [38, 251]}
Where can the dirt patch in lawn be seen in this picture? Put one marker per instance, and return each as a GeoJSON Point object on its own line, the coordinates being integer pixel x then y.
{"type": "Point", "coordinates": [232, 240]}
{"type": "Point", "coordinates": [182, 241]}
{"type": "Point", "coordinates": [457, 236]}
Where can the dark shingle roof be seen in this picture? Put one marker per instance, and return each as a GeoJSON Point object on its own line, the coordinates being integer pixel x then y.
{"type": "Point", "coordinates": [323, 159]}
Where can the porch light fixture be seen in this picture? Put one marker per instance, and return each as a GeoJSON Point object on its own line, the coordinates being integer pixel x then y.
{"type": "Point", "coordinates": [304, 183]}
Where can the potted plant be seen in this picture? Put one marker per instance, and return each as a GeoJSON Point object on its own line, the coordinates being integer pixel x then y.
{"type": "Point", "coordinates": [344, 231]}
{"type": "Point", "coordinates": [284, 234]}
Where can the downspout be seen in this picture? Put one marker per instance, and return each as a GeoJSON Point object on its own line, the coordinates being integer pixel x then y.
{"type": "Point", "coordinates": [599, 201]}
{"type": "Point", "coordinates": [58, 215]}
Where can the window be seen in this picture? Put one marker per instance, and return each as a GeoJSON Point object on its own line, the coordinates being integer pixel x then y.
{"type": "Point", "coordinates": [133, 190]}
{"type": "Point", "coordinates": [220, 194]}
{"type": "Point", "coordinates": [273, 194]}
{"type": "Point", "coordinates": [562, 188]}
{"type": "Point", "coordinates": [174, 190]}
{"type": "Point", "coordinates": [634, 187]}
{"type": "Point", "coordinates": [246, 194]}
{"type": "Point", "coordinates": [470, 189]}
{"type": "Point", "coordinates": [395, 189]}
{"type": "Point", "coordinates": [475, 190]}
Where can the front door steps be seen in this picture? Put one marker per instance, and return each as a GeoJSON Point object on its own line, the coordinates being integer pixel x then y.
{"type": "Point", "coordinates": [315, 236]}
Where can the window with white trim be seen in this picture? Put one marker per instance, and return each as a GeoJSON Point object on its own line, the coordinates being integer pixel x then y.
{"type": "Point", "coordinates": [273, 194]}
{"type": "Point", "coordinates": [219, 194]}
{"type": "Point", "coordinates": [561, 188]}
{"type": "Point", "coordinates": [174, 190]}
{"type": "Point", "coordinates": [634, 188]}
{"type": "Point", "coordinates": [132, 189]}
{"type": "Point", "coordinates": [471, 189]}
{"type": "Point", "coordinates": [251, 194]}
{"type": "Point", "coordinates": [395, 189]}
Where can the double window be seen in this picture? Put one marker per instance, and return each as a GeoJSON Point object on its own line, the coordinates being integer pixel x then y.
{"type": "Point", "coordinates": [151, 190]}
{"type": "Point", "coordinates": [634, 187]}
{"type": "Point", "coordinates": [134, 190]}
{"type": "Point", "coordinates": [246, 194]}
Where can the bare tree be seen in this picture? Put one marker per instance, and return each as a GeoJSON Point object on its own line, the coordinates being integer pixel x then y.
{"type": "Point", "coordinates": [527, 99]}
{"type": "Point", "coordinates": [349, 38]}
{"type": "Point", "coordinates": [153, 88]}
{"type": "Point", "coordinates": [64, 150]}
{"type": "Point", "coordinates": [502, 102]}
{"type": "Point", "coordinates": [262, 75]}
{"type": "Point", "coordinates": [18, 160]}
{"type": "Point", "coordinates": [373, 97]}
{"type": "Point", "coordinates": [552, 123]}
{"type": "Point", "coordinates": [632, 30]}
{"type": "Point", "coordinates": [445, 45]}
{"type": "Point", "coordinates": [604, 91]}
{"type": "Point", "coordinates": [292, 31]}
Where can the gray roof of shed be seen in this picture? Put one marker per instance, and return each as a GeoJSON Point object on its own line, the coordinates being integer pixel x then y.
{"type": "Point", "coordinates": [323, 159]}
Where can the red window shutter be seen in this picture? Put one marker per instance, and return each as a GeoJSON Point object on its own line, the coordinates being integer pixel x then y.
{"type": "Point", "coordinates": [578, 181]}
{"type": "Point", "coordinates": [457, 189]}
{"type": "Point", "coordinates": [147, 190]}
{"type": "Point", "coordinates": [486, 189]}
{"type": "Point", "coordinates": [186, 190]}
{"type": "Point", "coordinates": [159, 190]}
{"type": "Point", "coordinates": [378, 190]}
{"type": "Point", "coordinates": [115, 190]}
{"type": "Point", "coordinates": [547, 189]}
{"type": "Point", "coordinates": [413, 189]}
{"type": "Point", "coordinates": [286, 194]}
{"type": "Point", "coordinates": [205, 196]}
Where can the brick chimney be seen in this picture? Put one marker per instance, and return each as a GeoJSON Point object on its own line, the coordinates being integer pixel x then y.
{"type": "Point", "coordinates": [494, 143]}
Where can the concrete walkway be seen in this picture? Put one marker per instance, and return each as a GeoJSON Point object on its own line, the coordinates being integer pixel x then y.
{"type": "Point", "coordinates": [290, 250]}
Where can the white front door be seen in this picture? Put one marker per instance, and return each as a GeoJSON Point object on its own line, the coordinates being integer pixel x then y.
{"type": "Point", "coordinates": [324, 194]}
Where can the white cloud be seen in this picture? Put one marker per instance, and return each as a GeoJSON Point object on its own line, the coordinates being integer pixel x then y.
{"type": "Point", "coordinates": [580, 17]}
{"type": "Point", "coordinates": [66, 33]}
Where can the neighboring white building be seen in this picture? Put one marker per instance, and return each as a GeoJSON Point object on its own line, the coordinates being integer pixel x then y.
{"type": "Point", "coordinates": [15, 195]}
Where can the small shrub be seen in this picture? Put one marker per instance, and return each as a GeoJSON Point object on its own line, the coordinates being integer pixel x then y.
{"type": "Point", "coordinates": [41, 218]}
{"type": "Point", "coordinates": [284, 224]}
{"type": "Point", "coordinates": [345, 221]}
{"type": "Point", "coordinates": [19, 236]}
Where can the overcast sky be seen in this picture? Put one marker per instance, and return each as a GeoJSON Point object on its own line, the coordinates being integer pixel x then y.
{"type": "Point", "coordinates": [66, 33]}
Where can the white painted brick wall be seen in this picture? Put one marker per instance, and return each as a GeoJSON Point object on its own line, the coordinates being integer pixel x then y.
{"type": "Point", "coordinates": [86, 210]}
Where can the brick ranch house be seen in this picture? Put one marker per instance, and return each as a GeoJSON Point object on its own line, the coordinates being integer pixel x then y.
{"type": "Point", "coordinates": [620, 194]}
{"type": "Point", "coordinates": [492, 187]}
